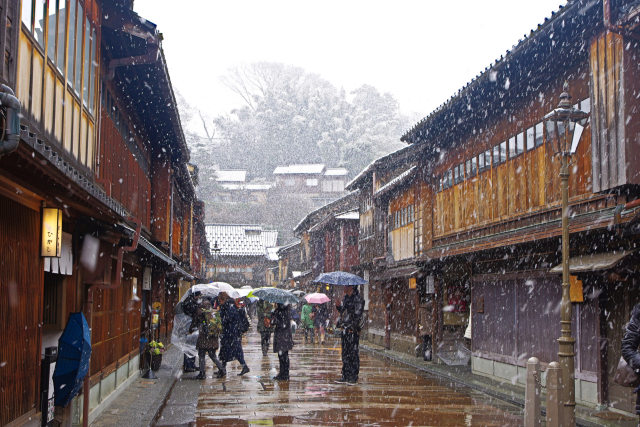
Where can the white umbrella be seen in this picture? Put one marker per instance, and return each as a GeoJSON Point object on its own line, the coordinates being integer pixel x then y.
{"type": "Point", "coordinates": [244, 291]}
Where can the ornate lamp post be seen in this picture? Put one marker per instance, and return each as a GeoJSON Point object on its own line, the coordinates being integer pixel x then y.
{"type": "Point", "coordinates": [216, 251]}
{"type": "Point", "coordinates": [561, 124]}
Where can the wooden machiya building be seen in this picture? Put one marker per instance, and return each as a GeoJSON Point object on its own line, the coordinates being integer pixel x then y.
{"type": "Point", "coordinates": [99, 148]}
{"type": "Point", "coordinates": [487, 221]}
{"type": "Point", "coordinates": [391, 190]}
{"type": "Point", "coordinates": [328, 242]}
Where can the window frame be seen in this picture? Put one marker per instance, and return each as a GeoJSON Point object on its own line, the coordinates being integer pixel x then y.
{"type": "Point", "coordinates": [520, 143]}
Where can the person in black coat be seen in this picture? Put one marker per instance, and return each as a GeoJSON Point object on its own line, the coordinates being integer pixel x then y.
{"type": "Point", "coordinates": [231, 339]}
{"type": "Point", "coordinates": [630, 344]}
{"type": "Point", "coordinates": [351, 312]}
{"type": "Point", "coordinates": [282, 339]}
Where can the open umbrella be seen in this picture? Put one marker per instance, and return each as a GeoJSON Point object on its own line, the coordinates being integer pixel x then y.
{"type": "Point", "coordinates": [74, 352]}
{"type": "Point", "coordinates": [317, 298]}
{"type": "Point", "coordinates": [228, 289]}
{"type": "Point", "coordinates": [244, 291]}
{"type": "Point", "coordinates": [340, 278]}
{"type": "Point", "coordinates": [180, 336]}
{"type": "Point", "coordinates": [277, 295]}
{"type": "Point", "coordinates": [298, 292]}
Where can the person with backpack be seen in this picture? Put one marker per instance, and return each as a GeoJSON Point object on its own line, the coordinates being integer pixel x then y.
{"type": "Point", "coordinates": [231, 339]}
{"type": "Point", "coordinates": [209, 328]}
{"type": "Point", "coordinates": [351, 315]}
{"type": "Point", "coordinates": [307, 321]}
{"type": "Point", "coordinates": [630, 347]}
{"type": "Point", "coordinates": [264, 310]}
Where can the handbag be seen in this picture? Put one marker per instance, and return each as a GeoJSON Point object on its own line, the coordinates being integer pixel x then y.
{"type": "Point", "coordinates": [625, 375]}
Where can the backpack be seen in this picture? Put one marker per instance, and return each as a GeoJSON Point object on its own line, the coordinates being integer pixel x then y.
{"type": "Point", "coordinates": [211, 326]}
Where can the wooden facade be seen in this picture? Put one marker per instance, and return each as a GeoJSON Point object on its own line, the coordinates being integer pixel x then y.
{"type": "Point", "coordinates": [477, 224]}
{"type": "Point", "coordinates": [87, 149]}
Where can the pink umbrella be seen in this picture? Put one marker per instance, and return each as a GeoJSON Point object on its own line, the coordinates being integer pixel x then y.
{"type": "Point", "coordinates": [316, 298]}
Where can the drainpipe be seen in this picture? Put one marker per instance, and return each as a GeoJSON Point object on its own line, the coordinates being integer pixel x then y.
{"type": "Point", "coordinates": [88, 308]}
{"type": "Point", "coordinates": [11, 136]}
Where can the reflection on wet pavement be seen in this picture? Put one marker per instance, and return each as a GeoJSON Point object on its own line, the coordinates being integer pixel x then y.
{"type": "Point", "coordinates": [386, 394]}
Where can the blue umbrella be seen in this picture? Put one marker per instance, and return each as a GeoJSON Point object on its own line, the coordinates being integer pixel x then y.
{"type": "Point", "coordinates": [340, 278]}
{"type": "Point", "coordinates": [276, 295]}
{"type": "Point", "coordinates": [74, 352]}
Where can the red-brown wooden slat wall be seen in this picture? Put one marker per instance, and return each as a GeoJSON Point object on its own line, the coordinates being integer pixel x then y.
{"type": "Point", "coordinates": [21, 293]}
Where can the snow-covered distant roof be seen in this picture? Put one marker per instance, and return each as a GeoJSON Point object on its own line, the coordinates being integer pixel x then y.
{"type": "Point", "coordinates": [272, 253]}
{"type": "Point", "coordinates": [336, 172]}
{"type": "Point", "coordinates": [354, 214]}
{"type": "Point", "coordinates": [259, 186]}
{"type": "Point", "coordinates": [241, 240]}
{"type": "Point", "coordinates": [231, 176]}
{"type": "Point", "coordinates": [310, 168]}
{"type": "Point", "coordinates": [395, 181]}
{"type": "Point", "coordinates": [377, 162]}
{"type": "Point", "coordinates": [231, 186]}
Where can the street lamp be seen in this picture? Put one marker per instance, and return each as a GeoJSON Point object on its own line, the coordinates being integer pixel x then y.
{"type": "Point", "coordinates": [561, 124]}
{"type": "Point", "coordinates": [216, 251]}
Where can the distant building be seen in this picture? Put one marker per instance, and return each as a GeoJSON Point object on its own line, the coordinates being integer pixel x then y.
{"type": "Point", "coordinates": [240, 253]}
{"type": "Point", "coordinates": [313, 181]}
{"type": "Point", "coordinates": [234, 187]}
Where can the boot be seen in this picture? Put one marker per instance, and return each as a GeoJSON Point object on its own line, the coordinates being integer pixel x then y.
{"type": "Point", "coordinates": [245, 369]}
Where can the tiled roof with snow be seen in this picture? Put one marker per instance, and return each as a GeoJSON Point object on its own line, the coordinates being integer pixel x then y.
{"type": "Point", "coordinates": [310, 168]}
{"type": "Point", "coordinates": [241, 240]}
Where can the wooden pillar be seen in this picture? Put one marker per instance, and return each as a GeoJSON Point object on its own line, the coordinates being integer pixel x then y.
{"type": "Point", "coordinates": [437, 315]}
{"type": "Point", "coordinates": [603, 345]}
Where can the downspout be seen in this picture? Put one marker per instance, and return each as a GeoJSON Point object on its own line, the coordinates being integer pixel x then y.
{"type": "Point", "coordinates": [88, 308]}
{"type": "Point", "coordinates": [11, 137]}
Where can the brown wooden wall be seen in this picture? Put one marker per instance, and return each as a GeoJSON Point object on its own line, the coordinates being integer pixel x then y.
{"type": "Point", "coordinates": [160, 200]}
{"type": "Point", "coordinates": [513, 318]}
{"type": "Point", "coordinates": [21, 289]}
{"type": "Point", "coordinates": [522, 185]}
{"type": "Point", "coordinates": [120, 171]}
{"type": "Point", "coordinates": [115, 329]}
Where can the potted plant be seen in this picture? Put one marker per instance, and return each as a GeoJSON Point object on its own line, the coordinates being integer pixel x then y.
{"type": "Point", "coordinates": [156, 348]}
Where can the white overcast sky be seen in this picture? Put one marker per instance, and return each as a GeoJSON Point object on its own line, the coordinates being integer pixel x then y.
{"type": "Point", "coordinates": [420, 51]}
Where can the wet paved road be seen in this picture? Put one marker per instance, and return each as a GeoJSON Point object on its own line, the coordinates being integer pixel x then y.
{"type": "Point", "coordinates": [386, 395]}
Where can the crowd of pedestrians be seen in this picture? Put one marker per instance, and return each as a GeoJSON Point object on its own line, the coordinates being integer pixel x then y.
{"type": "Point", "coordinates": [222, 324]}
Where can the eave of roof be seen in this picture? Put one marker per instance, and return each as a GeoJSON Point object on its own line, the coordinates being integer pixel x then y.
{"type": "Point", "coordinates": [577, 21]}
{"type": "Point", "coordinates": [328, 206]}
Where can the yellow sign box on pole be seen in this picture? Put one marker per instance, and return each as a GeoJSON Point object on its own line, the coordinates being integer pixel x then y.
{"type": "Point", "coordinates": [575, 289]}
{"type": "Point", "coordinates": [51, 240]}
{"type": "Point", "coordinates": [412, 283]}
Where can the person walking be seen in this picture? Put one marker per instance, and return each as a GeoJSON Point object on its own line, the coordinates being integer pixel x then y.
{"type": "Point", "coordinates": [351, 312]}
{"type": "Point", "coordinates": [630, 344]}
{"type": "Point", "coordinates": [263, 311]}
{"type": "Point", "coordinates": [319, 321]}
{"type": "Point", "coordinates": [282, 339]}
{"type": "Point", "coordinates": [209, 328]}
{"type": "Point", "coordinates": [307, 321]}
{"type": "Point", "coordinates": [231, 339]}
{"type": "Point", "coordinates": [426, 326]}
{"type": "Point", "coordinates": [190, 308]}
